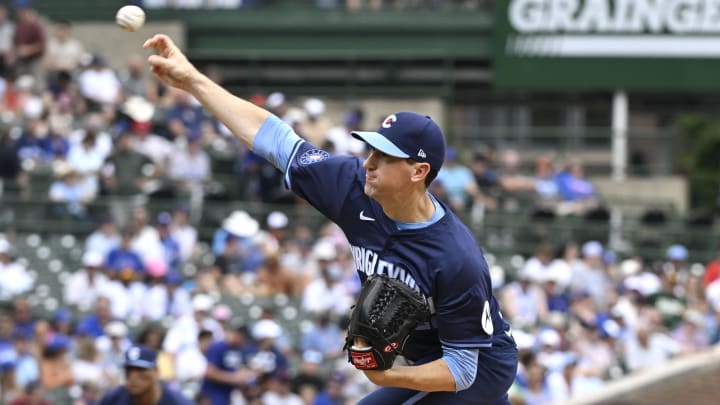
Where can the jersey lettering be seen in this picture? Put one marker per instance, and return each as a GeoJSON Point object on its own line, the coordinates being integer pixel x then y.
{"type": "Point", "coordinates": [370, 263]}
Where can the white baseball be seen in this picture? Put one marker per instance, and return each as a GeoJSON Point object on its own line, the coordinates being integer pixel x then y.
{"type": "Point", "coordinates": [130, 18]}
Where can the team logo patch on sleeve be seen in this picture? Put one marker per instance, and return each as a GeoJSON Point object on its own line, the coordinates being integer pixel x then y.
{"type": "Point", "coordinates": [313, 156]}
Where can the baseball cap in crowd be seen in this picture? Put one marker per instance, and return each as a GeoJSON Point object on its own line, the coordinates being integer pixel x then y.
{"type": "Point", "coordinates": [93, 259]}
{"type": "Point", "coordinates": [4, 246]}
{"type": "Point", "coordinates": [408, 135]}
{"type": "Point", "coordinates": [116, 329]}
{"type": "Point", "coordinates": [677, 253]}
{"type": "Point", "coordinates": [592, 249]}
{"type": "Point", "coordinates": [140, 357]}
{"type": "Point", "coordinates": [266, 329]}
{"type": "Point", "coordinates": [275, 100]}
{"type": "Point", "coordinates": [164, 218]}
{"type": "Point", "coordinates": [202, 303]}
{"type": "Point", "coordinates": [277, 220]}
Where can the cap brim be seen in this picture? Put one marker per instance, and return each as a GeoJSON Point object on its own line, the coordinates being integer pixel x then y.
{"type": "Point", "coordinates": [379, 142]}
{"type": "Point", "coordinates": [139, 364]}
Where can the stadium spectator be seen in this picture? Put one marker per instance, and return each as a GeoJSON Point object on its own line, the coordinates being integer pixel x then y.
{"type": "Point", "coordinates": [29, 44]}
{"type": "Point", "coordinates": [55, 368]}
{"type": "Point", "coordinates": [189, 169]}
{"type": "Point", "coordinates": [14, 279]}
{"type": "Point", "coordinates": [94, 323]}
{"type": "Point", "coordinates": [32, 394]}
{"type": "Point", "coordinates": [87, 158]}
{"type": "Point", "coordinates": [228, 366]}
{"type": "Point", "coordinates": [111, 347]}
{"type": "Point", "coordinates": [7, 32]}
{"type": "Point", "coordinates": [64, 53]}
{"type": "Point", "coordinates": [12, 177]}
{"type": "Point", "coordinates": [316, 126]}
{"type": "Point", "coordinates": [577, 193]}
{"type": "Point", "coordinates": [99, 85]}
{"type": "Point", "coordinates": [324, 337]}
{"type": "Point", "coordinates": [342, 141]}
{"type": "Point", "coordinates": [524, 303]}
{"type": "Point", "coordinates": [273, 278]}
{"type": "Point", "coordinates": [27, 368]}
{"type": "Point", "coordinates": [457, 181]}
{"type": "Point", "coordinates": [326, 293]}
{"type": "Point", "coordinates": [183, 232]}
{"type": "Point", "coordinates": [87, 284]}
{"type": "Point", "coordinates": [133, 80]}
{"type": "Point", "coordinates": [70, 193]}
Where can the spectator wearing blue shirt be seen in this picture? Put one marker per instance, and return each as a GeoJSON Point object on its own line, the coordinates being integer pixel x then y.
{"type": "Point", "coordinates": [122, 257]}
{"type": "Point", "coordinates": [227, 368]}
{"type": "Point", "coordinates": [94, 324]}
{"type": "Point", "coordinates": [143, 385]}
{"type": "Point", "coordinates": [171, 249]}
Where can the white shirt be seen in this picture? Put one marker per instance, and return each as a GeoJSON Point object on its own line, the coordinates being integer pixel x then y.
{"type": "Point", "coordinates": [126, 302]}
{"type": "Point", "coordinates": [81, 292]}
{"type": "Point", "coordinates": [274, 398]}
{"type": "Point", "coordinates": [186, 237]}
{"type": "Point", "coordinates": [155, 303]}
{"type": "Point", "coordinates": [184, 331]}
{"type": "Point", "coordinates": [318, 297]}
{"type": "Point", "coordinates": [156, 148]}
{"type": "Point", "coordinates": [100, 85]}
{"type": "Point", "coordinates": [187, 167]}
{"type": "Point", "coordinates": [14, 279]}
{"type": "Point", "coordinates": [190, 364]}
{"type": "Point", "coordinates": [147, 244]}
{"type": "Point", "coordinates": [659, 350]}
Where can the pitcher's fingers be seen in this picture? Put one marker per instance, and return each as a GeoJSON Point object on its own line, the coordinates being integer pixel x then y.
{"type": "Point", "coordinates": [157, 61]}
{"type": "Point", "coordinates": [160, 42]}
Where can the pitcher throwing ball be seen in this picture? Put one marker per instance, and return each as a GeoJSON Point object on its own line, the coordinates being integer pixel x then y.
{"type": "Point", "coordinates": [461, 352]}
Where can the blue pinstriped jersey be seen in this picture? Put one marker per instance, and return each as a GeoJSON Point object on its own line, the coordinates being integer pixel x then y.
{"type": "Point", "coordinates": [442, 261]}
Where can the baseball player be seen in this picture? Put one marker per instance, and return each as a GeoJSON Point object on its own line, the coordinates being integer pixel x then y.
{"type": "Point", "coordinates": [464, 352]}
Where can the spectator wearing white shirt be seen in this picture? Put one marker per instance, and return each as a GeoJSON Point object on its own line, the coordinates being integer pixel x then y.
{"type": "Point", "coordinates": [165, 298]}
{"type": "Point", "coordinates": [183, 334]}
{"type": "Point", "coordinates": [111, 347]}
{"type": "Point", "coordinates": [64, 53]}
{"type": "Point", "coordinates": [126, 294]}
{"type": "Point", "coordinates": [326, 293]}
{"type": "Point", "coordinates": [190, 170]}
{"type": "Point", "coordinates": [104, 239]}
{"type": "Point", "coordinates": [183, 232]}
{"type": "Point", "coordinates": [648, 348]}
{"type": "Point", "coordinates": [99, 85]}
{"type": "Point", "coordinates": [87, 158]}
{"type": "Point", "coordinates": [84, 287]}
{"type": "Point", "coordinates": [14, 278]}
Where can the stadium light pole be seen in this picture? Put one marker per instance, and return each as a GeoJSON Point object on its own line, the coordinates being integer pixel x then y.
{"type": "Point", "coordinates": [620, 116]}
{"type": "Point", "coordinates": [619, 135]}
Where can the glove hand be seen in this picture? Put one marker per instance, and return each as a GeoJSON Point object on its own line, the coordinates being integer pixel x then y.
{"type": "Point", "coordinates": [387, 311]}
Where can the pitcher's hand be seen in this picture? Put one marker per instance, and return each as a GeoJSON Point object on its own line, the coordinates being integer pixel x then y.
{"type": "Point", "coordinates": [169, 64]}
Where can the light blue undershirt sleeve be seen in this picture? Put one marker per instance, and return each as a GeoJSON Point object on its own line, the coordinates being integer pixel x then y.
{"type": "Point", "coordinates": [275, 141]}
{"type": "Point", "coordinates": [462, 364]}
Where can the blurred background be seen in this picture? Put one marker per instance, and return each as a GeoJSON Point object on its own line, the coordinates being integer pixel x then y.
{"type": "Point", "coordinates": [583, 153]}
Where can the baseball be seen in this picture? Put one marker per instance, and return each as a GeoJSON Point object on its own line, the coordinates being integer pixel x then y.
{"type": "Point", "coordinates": [130, 18]}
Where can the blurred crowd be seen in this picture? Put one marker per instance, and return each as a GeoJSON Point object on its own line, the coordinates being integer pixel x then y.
{"type": "Point", "coordinates": [581, 315]}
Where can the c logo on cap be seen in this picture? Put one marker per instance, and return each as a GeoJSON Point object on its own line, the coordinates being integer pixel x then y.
{"type": "Point", "coordinates": [134, 353]}
{"type": "Point", "coordinates": [387, 122]}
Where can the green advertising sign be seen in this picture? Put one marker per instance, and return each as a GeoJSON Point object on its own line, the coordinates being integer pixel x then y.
{"type": "Point", "coordinates": [608, 44]}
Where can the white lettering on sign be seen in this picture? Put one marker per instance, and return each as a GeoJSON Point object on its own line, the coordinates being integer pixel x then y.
{"type": "Point", "coordinates": [620, 16]}
{"type": "Point", "coordinates": [615, 28]}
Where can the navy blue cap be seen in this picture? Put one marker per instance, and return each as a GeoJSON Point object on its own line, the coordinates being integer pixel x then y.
{"type": "Point", "coordinates": [140, 357]}
{"type": "Point", "coordinates": [408, 135]}
{"type": "Point", "coordinates": [164, 218]}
